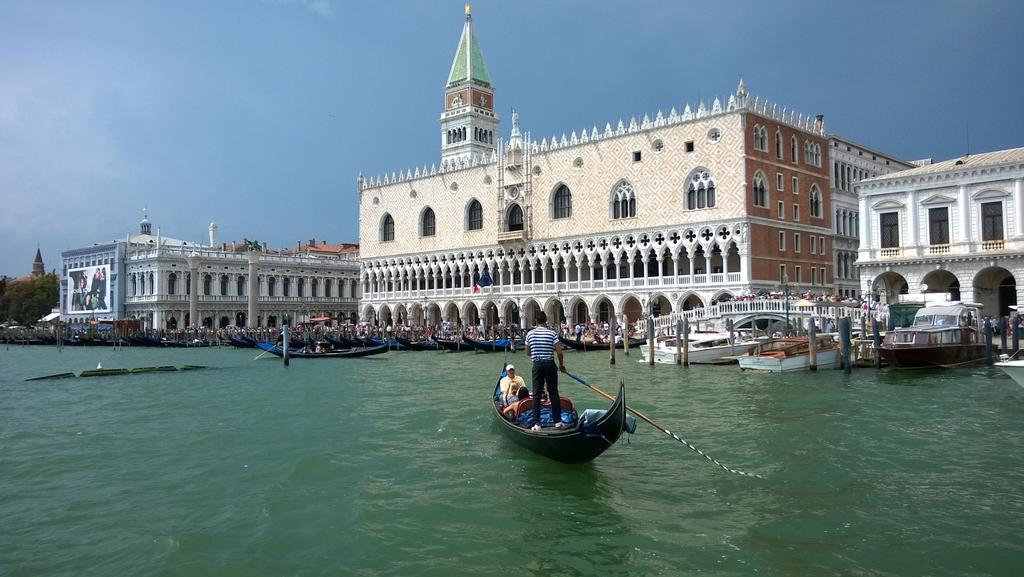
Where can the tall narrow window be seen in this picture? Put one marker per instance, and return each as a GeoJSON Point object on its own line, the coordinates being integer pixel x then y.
{"type": "Point", "coordinates": [515, 218]}
{"type": "Point", "coordinates": [387, 228]}
{"type": "Point", "coordinates": [701, 191]}
{"type": "Point", "coordinates": [992, 221]}
{"type": "Point", "coordinates": [474, 216]}
{"type": "Point", "coordinates": [816, 202]}
{"type": "Point", "coordinates": [428, 224]}
{"type": "Point", "coordinates": [793, 150]}
{"type": "Point", "coordinates": [782, 240]}
{"type": "Point", "coordinates": [562, 203]}
{"type": "Point", "coordinates": [938, 225]}
{"type": "Point", "coordinates": [778, 145]}
{"type": "Point", "coordinates": [796, 241]}
{"type": "Point", "coordinates": [624, 201]}
{"type": "Point", "coordinates": [759, 190]}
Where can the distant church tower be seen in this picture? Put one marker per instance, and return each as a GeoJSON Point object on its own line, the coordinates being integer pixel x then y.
{"type": "Point", "coordinates": [37, 264]}
{"type": "Point", "coordinates": [144, 226]}
{"type": "Point", "coordinates": [469, 127]}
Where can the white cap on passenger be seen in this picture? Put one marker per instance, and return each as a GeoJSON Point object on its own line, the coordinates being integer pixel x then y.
{"type": "Point", "coordinates": [509, 368]}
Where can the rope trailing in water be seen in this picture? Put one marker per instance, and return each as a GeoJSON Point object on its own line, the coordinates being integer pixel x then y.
{"type": "Point", "coordinates": [651, 422]}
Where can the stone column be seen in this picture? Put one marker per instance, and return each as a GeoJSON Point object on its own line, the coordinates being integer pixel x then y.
{"type": "Point", "coordinates": [912, 227]}
{"type": "Point", "coordinates": [193, 297]}
{"type": "Point", "coordinates": [964, 208]}
{"type": "Point", "coordinates": [865, 230]}
{"type": "Point", "coordinates": [251, 317]}
{"type": "Point", "coordinates": [1018, 204]}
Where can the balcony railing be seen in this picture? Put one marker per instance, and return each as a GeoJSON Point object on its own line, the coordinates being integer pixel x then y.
{"type": "Point", "coordinates": [993, 245]}
{"type": "Point", "coordinates": [511, 236]}
{"type": "Point", "coordinates": [891, 252]}
{"type": "Point", "coordinates": [938, 249]}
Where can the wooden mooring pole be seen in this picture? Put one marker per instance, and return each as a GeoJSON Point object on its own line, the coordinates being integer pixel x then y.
{"type": "Point", "coordinates": [650, 341]}
{"type": "Point", "coordinates": [812, 344]}
{"type": "Point", "coordinates": [844, 341]}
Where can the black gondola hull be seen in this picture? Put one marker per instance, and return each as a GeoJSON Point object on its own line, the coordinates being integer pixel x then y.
{"type": "Point", "coordinates": [573, 445]}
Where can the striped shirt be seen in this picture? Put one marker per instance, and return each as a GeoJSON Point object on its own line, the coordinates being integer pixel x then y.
{"type": "Point", "coordinates": [541, 341]}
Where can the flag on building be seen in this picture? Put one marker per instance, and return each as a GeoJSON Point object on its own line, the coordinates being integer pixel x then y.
{"type": "Point", "coordinates": [484, 280]}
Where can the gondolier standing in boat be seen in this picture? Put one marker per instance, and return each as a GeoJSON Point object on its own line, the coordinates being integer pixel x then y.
{"type": "Point", "coordinates": [542, 346]}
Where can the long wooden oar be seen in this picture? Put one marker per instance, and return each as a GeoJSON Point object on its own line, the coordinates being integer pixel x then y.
{"type": "Point", "coordinates": [651, 422]}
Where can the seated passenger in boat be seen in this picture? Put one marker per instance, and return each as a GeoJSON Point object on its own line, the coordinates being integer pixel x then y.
{"type": "Point", "coordinates": [511, 385]}
{"type": "Point", "coordinates": [512, 409]}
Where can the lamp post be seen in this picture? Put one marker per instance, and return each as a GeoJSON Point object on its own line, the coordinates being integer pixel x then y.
{"type": "Point", "coordinates": [785, 295]}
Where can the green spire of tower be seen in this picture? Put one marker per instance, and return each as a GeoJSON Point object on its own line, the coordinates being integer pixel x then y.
{"type": "Point", "coordinates": [469, 61]}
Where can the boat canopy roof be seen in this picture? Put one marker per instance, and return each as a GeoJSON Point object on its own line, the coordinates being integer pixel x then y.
{"type": "Point", "coordinates": [947, 314]}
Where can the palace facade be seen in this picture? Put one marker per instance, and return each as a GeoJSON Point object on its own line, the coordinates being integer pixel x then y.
{"type": "Point", "coordinates": [172, 284]}
{"type": "Point", "coordinates": [953, 227]}
{"type": "Point", "coordinates": [674, 210]}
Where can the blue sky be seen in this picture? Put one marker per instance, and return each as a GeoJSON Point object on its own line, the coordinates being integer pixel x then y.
{"type": "Point", "coordinates": [259, 114]}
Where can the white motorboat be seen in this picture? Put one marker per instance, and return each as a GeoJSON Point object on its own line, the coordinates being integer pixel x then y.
{"type": "Point", "coordinates": [1014, 369]}
{"type": "Point", "coordinates": [704, 348]}
{"type": "Point", "coordinates": [790, 354]}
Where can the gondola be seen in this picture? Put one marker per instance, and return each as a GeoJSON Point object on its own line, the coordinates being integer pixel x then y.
{"type": "Point", "coordinates": [241, 342]}
{"type": "Point", "coordinates": [427, 345]}
{"type": "Point", "coordinates": [455, 345]}
{"type": "Point", "coordinates": [589, 435]}
{"type": "Point", "coordinates": [592, 346]}
{"type": "Point", "coordinates": [329, 354]}
{"type": "Point", "coordinates": [497, 346]}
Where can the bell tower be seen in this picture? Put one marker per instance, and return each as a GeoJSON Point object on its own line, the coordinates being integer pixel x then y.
{"type": "Point", "coordinates": [469, 127]}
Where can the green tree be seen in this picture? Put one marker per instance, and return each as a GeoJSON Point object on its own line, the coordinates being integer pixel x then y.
{"type": "Point", "coordinates": [28, 300]}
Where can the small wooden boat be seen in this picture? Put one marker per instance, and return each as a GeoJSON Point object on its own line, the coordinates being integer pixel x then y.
{"type": "Point", "coordinates": [427, 345]}
{"type": "Point", "coordinates": [452, 345]}
{"type": "Point", "coordinates": [496, 346]}
{"type": "Point", "coordinates": [704, 348]}
{"type": "Point", "coordinates": [324, 354]}
{"type": "Point", "coordinates": [790, 354]}
{"type": "Point", "coordinates": [589, 434]}
{"type": "Point", "coordinates": [596, 346]}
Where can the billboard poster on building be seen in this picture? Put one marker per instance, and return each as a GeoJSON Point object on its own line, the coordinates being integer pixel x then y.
{"type": "Point", "coordinates": [89, 289]}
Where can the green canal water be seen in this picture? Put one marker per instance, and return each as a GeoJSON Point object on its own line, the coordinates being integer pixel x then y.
{"type": "Point", "coordinates": [392, 466]}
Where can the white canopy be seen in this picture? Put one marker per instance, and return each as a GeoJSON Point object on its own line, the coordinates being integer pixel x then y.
{"type": "Point", "coordinates": [50, 317]}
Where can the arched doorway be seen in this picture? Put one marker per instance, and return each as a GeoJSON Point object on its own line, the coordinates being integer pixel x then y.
{"type": "Point", "coordinates": [208, 322]}
{"type": "Point", "coordinates": [580, 312]}
{"type": "Point", "coordinates": [489, 314]}
{"type": "Point", "coordinates": [239, 319]}
{"type": "Point", "coordinates": [514, 218]}
{"type": "Point", "coordinates": [530, 310]}
{"type": "Point", "coordinates": [512, 316]}
{"type": "Point", "coordinates": [605, 311]}
{"type": "Point", "coordinates": [555, 312]}
{"type": "Point", "coordinates": [660, 305]}
{"type": "Point", "coordinates": [995, 289]}
{"type": "Point", "coordinates": [631, 309]}
{"type": "Point", "coordinates": [172, 324]}
{"type": "Point", "coordinates": [942, 281]}
{"type": "Point", "coordinates": [451, 314]}
{"type": "Point", "coordinates": [432, 315]}
{"type": "Point", "coordinates": [887, 287]}
{"type": "Point", "coordinates": [384, 318]}
{"type": "Point", "coordinates": [416, 316]}
{"type": "Point", "coordinates": [471, 315]}
{"type": "Point", "coordinates": [223, 322]}
{"type": "Point", "coordinates": [691, 302]}
{"type": "Point", "coordinates": [272, 321]}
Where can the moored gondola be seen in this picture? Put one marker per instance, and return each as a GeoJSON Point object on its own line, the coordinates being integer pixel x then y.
{"type": "Point", "coordinates": [595, 346]}
{"type": "Point", "coordinates": [455, 345]}
{"type": "Point", "coordinates": [496, 346]}
{"type": "Point", "coordinates": [426, 345]}
{"type": "Point", "coordinates": [324, 354]}
{"type": "Point", "coordinates": [590, 433]}
{"type": "Point", "coordinates": [241, 342]}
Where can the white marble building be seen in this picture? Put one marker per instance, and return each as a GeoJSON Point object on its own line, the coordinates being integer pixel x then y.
{"type": "Point", "coordinates": [663, 212]}
{"type": "Point", "coordinates": [852, 163]}
{"type": "Point", "coordinates": [952, 227]}
{"type": "Point", "coordinates": [166, 283]}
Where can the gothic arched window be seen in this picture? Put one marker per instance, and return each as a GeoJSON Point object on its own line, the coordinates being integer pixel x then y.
{"type": "Point", "coordinates": [561, 203]}
{"type": "Point", "coordinates": [759, 191]}
{"type": "Point", "coordinates": [474, 215]}
{"type": "Point", "coordinates": [223, 285]}
{"type": "Point", "coordinates": [172, 283]}
{"type": "Point", "coordinates": [515, 218]}
{"type": "Point", "coordinates": [778, 144]}
{"type": "Point", "coordinates": [816, 202]}
{"type": "Point", "coordinates": [428, 223]}
{"type": "Point", "coordinates": [387, 228]}
{"type": "Point", "coordinates": [700, 192]}
{"type": "Point", "coordinates": [624, 201]}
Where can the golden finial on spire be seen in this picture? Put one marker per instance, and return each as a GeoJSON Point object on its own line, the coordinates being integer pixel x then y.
{"type": "Point", "coordinates": [467, 9]}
